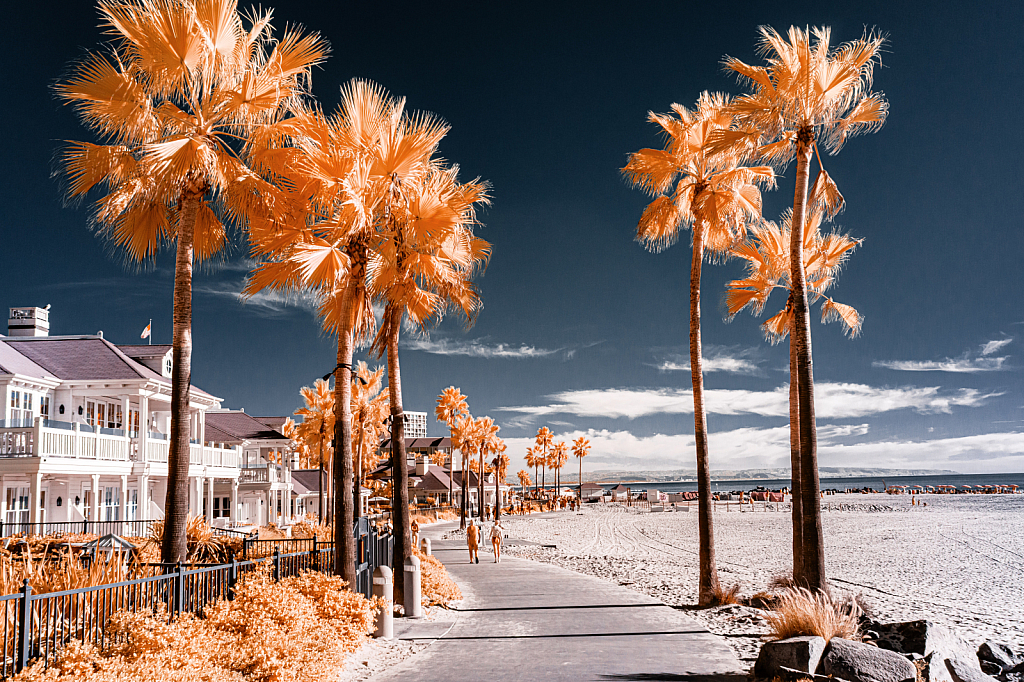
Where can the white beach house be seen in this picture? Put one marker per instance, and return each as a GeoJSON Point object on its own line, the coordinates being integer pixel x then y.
{"type": "Point", "coordinates": [83, 436]}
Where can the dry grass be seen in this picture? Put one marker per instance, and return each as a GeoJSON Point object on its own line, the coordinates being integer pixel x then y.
{"type": "Point", "coordinates": [724, 596]}
{"type": "Point", "coordinates": [780, 583]}
{"type": "Point", "coordinates": [436, 585]}
{"type": "Point", "coordinates": [800, 612]}
{"type": "Point", "coordinates": [203, 546]}
{"type": "Point", "coordinates": [309, 528]}
{"type": "Point", "coordinates": [300, 628]}
{"type": "Point", "coordinates": [431, 517]}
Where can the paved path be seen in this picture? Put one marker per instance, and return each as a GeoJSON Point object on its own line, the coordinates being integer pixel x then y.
{"type": "Point", "coordinates": [525, 620]}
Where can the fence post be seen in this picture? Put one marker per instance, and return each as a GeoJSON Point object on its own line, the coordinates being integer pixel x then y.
{"type": "Point", "coordinates": [85, 526]}
{"type": "Point", "coordinates": [313, 563]}
{"type": "Point", "coordinates": [179, 590]}
{"type": "Point", "coordinates": [413, 607]}
{"type": "Point", "coordinates": [383, 588]}
{"type": "Point", "coordinates": [232, 577]}
{"type": "Point", "coordinates": [24, 626]}
{"type": "Point", "coordinates": [277, 565]}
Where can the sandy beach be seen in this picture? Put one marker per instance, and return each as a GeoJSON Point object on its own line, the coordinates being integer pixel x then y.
{"type": "Point", "coordinates": [958, 561]}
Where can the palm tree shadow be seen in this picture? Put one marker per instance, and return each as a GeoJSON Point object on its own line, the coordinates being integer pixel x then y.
{"type": "Point", "coordinates": [677, 677]}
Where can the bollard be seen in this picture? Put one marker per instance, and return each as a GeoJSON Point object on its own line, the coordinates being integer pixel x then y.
{"type": "Point", "coordinates": [413, 607]}
{"type": "Point", "coordinates": [383, 587]}
{"type": "Point", "coordinates": [425, 546]}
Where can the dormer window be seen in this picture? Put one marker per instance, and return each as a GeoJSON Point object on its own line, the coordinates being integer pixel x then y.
{"type": "Point", "coordinates": [167, 366]}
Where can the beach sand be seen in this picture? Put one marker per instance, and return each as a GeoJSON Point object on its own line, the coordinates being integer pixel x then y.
{"type": "Point", "coordinates": [959, 561]}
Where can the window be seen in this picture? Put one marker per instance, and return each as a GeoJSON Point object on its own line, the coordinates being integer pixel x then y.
{"type": "Point", "coordinates": [90, 413]}
{"type": "Point", "coordinates": [44, 406]}
{"type": "Point", "coordinates": [115, 414]}
{"type": "Point", "coordinates": [221, 507]}
{"type": "Point", "coordinates": [111, 504]}
{"type": "Point", "coordinates": [100, 415]}
{"type": "Point", "coordinates": [133, 505]}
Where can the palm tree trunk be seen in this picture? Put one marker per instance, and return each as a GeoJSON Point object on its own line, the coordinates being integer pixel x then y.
{"type": "Point", "coordinates": [497, 496]}
{"type": "Point", "coordinates": [451, 467]}
{"type": "Point", "coordinates": [813, 550]}
{"type": "Point", "coordinates": [708, 572]}
{"type": "Point", "coordinates": [322, 482]}
{"type": "Point", "coordinates": [581, 479]}
{"type": "Point", "coordinates": [794, 459]}
{"type": "Point", "coordinates": [399, 468]}
{"type": "Point", "coordinates": [344, 492]}
{"type": "Point", "coordinates": [480, 485]}
{"type": "Point", "coordinates": [357, 481]}
{"type": "Point", "coordinates": [464, 502]}
{"type": "Point", "coordinates": [175, 546]}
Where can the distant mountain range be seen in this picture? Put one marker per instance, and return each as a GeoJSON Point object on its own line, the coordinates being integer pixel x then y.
{"type": "Point", "coordinates": [746, 474]}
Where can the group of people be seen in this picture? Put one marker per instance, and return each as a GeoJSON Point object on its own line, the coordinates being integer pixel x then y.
{"type": "Point", "coordinates": [473, 540]}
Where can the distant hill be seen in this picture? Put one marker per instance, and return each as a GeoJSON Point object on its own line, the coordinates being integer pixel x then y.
{"type": "Point", "coordinates": [747, 474]}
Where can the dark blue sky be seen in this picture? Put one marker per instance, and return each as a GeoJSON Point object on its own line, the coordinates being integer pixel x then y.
{"type": "Point", "coordinates": [580, 323]}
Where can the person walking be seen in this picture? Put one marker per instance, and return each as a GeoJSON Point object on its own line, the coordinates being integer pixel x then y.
{"type": "Point", "coordinates": [473, 541]}
{"type": "Point", "coordinates": [496, 538]}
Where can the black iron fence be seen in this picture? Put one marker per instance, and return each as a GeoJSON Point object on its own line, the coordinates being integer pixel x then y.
{"type": "Point", "coordinates": [138, 529]}
{"type": "Point", "coordinates": [36, 626]}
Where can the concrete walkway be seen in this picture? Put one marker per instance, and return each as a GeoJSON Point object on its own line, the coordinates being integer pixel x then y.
{"type": "Point", "coordinates": [525, 620]}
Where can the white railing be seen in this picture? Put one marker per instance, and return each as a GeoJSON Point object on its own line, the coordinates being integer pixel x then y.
{"type": "Point", "coordinates": [271, 473]}
{"type": "Point", "coordinates": [156, 451]}
{"type": "Point", "coordinates": [42, 441]}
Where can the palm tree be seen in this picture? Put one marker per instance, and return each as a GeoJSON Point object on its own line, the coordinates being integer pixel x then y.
{"type": "Point", "coordinates": [317, 423]}
{"type": "Point", "coordinates": [487, 443]}
{"type": "Point", "coordinates": [543, 441]}
{"type": "Point", "coordinates": [524, 478]}
{"type": "Point", "coordinates": [451, 404]}
{"type": "Point", "coordinates": [581, 448]}
{"type": "Point", "coordinates": [715, 196]}
{"type": "Point", "coordinates": [767, 256]}
{"type": "Point", "coordinates": [369, 410]}
{"type": "Point", "coordinates": [806, 93]}
{"type": "Point", "coordinates": [500, 464]}
{"type": "Point", "coordinates": [532, 461]}
{"type": "Point", "coordinates": [178, 96]}
{"type": "Point", "coordinates": [464, 439]}
{"type": "Point", "coordinates": [556, 460]}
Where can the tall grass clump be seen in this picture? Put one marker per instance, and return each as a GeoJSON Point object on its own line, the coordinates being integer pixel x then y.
{"type": "Point", "coordinates": [800, 612]}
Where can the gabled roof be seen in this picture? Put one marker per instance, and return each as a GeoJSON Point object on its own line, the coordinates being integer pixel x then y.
{"type": "Point", "coordinates": [226, 427]}
{"type": "Point", "coordinates": [432, 442]}
{"type": "Point", "coordinates": [309, 479]}
{"type": "Point", "coordinates": [590, 485]}
{"type": "Point", "coordinates": [83, 358]}
{"type": "Point", "coordinates": [276, 423]}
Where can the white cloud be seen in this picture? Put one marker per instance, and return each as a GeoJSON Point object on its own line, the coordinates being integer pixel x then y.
{"type": "Point", "coordinates": [267, 303]}
{"type": "Point", "coordinates": [476, 348]}
{"type": "Point", "coordinates": [991, 347]}
{"type": "Point", "coordinates": [751, 448]}
{"type": "Point", "coordinates": [969, 362]}
{"type": "Point", "coordinates": [832, 401]}
{"type": "Point", "coordinates": [716, 359]}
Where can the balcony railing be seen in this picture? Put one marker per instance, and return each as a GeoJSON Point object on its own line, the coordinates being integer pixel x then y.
{"type": "Point", "coordinates": [269, 473]}
{"type": "Point", "coordinates": [47, 438]}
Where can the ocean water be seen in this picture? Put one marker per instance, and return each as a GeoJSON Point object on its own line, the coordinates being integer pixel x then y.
{"type": "Point", "coordinates": [878, 483]}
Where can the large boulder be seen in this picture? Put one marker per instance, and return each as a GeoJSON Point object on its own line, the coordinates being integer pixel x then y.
{"type": "Point", "coordinates": [999, 655]}
{"type": "Point", "coordinates": [858, 662]}
{"type": "Point", "coordinates": [795, 653]}
{"type": "Point", "coordinates": [933, 668]}
{"type": "Point", "coordinates": [936, 641]}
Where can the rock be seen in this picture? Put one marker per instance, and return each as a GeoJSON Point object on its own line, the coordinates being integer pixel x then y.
{"type": "Point", "coordinates": [795, 653]}
{"type": "Point", "coordinates": [999, 654]}
{"type": "Point", "coordinates": [961, 671]}
{"type": "Point", "coordinates": [859, 662]}
{"type": "Point", "coordinates": [926, 638]}
{"type": "Point", "coordinates": [933, 669]}
{"type": "Point", "coordinates": [990, 668]}
{"type": "Point", "coordinates": [790, 675]}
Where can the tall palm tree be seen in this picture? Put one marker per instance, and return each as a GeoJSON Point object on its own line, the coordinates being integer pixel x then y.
{"type": "Point", "coordinates": [369, 411]}
{"type": "Point", "coordinates": [500, 464]}
{"type": "Point", "coordinates": [451, 404]}
{"type": "Point", "coordinates": [556, 460]}
{"type": "Point", "coordinates": [315, 430]}
{"type": "Point", "coordinates": [543, 440]}
{"type": "Point", "coordinates": [767, 257]}
{"type": "Point", "coordinates": [532, 463]}
{"type": "Point", "coordinates": [581, 448]}
{"type": "Point", "coordinates": [464, 439]}
{"type": "Point", "coordinates": [806, 93]}
{"type": "Point", "coordinates": [717, 197]}
{"type": "Point", "coordinates": [487, 443]}
{"type": "Point", "coordinates": [177, 95]}
{"type": "Point", "coordinates": [524, 479]}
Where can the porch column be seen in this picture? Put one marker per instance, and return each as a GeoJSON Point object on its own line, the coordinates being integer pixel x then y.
{"type": "Point", "coordinates": [201, 416]}
{"type": "Point", "coordinates": [233, 517]}
{"type": "Point", "coordinates": [209, 501]}
{"type": "Point", "coordinates": [198, 510]}
{"type": "Point", "coordinates": [143, 428]}
{"type": "Point", "coordinates": [34, 501]}
{"type": "Point", "coordinates": [142, 512]}
{"type": "Point", "coordinates": [95, 512]}
{"type": "Point", "coordinates": [123, 511]}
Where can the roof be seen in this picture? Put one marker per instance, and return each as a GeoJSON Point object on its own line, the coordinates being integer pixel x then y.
{"type": "Point", "coordinates": [225, 427]}
{"type": "Point", "coordinates": [432, 442]}
{"type": "Point", "coordinates": [82, 358]}
{"type": "Point", "coordinates": [13, 362]}
{"type": "Point", "coordinates": [590, 485]}
{"type": "Point", "coordinates": [276, 423]}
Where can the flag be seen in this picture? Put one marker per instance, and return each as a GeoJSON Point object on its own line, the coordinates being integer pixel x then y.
{"type": "Point", "coordinates": [147, 330]}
